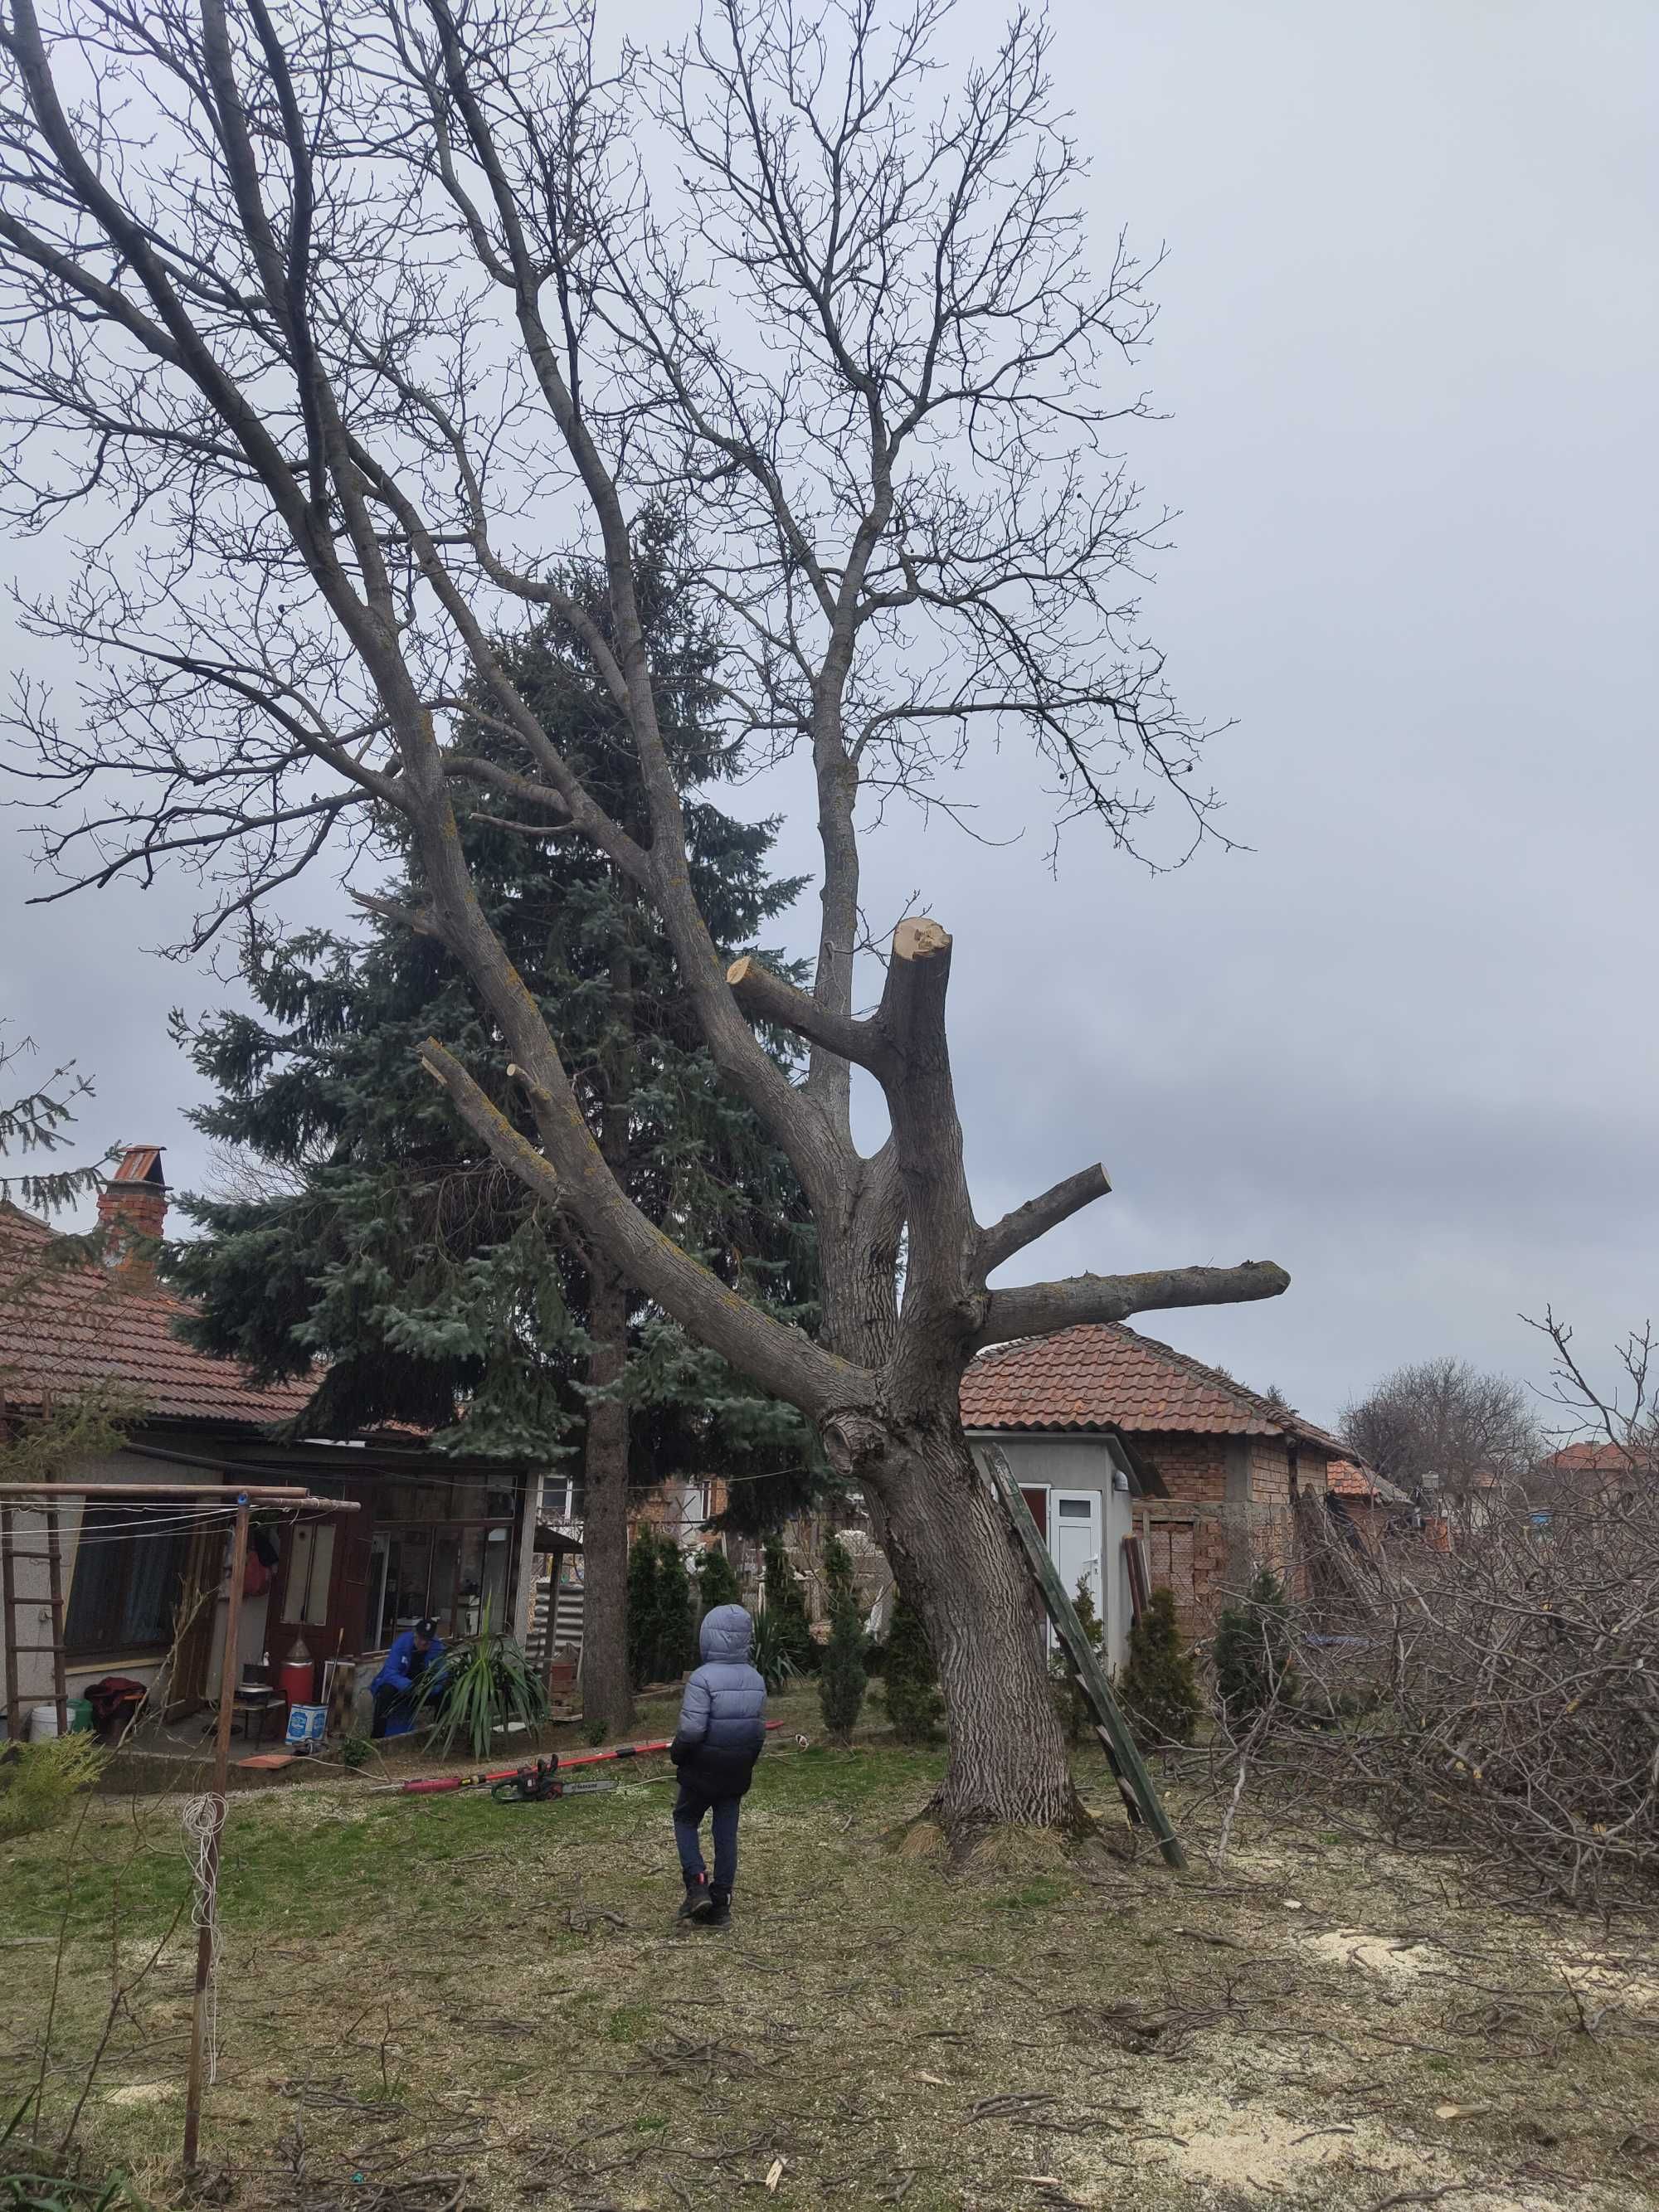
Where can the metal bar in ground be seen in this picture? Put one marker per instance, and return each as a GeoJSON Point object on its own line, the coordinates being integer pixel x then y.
{"type": "Point", "coordinates": [1134, 1777]}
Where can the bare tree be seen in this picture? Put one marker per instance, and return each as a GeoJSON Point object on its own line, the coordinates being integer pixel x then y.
{"type": "Point", "coordinates": [343, 327]}
{"type": "Point", "coordinates": [1615, 1428]}
{"type": "Point", "coordinates": [1445, 1420]}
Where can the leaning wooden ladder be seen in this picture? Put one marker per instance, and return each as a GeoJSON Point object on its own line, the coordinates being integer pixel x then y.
{"type": "Point", "coordinates": [1134, 1781]}
{"type": "Point", "coordinates": [52, 1611]}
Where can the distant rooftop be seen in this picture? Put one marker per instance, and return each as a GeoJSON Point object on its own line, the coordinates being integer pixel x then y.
{"type": "Point", "coordinates": [1103, 1375]}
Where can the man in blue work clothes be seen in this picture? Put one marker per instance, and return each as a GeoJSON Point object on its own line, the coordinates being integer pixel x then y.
{"type": "Point", "coordinates": [397, 1686]}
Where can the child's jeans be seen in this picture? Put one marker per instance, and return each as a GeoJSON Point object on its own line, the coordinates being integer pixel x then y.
{"type": "Point", "coordinates": [689, 1809]}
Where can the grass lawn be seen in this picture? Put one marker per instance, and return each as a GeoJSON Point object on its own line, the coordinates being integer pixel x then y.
{"type": "Point", "coordinates": [440, 2003]}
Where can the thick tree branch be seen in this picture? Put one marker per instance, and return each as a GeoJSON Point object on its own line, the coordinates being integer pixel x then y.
{"type": "Point", "coordinates": [767, 997]}
{"type": "Point", "coordinates": [1040, 1309]}
{"type": "Point", "coordinates": [571, 1172]}
{"type": "Point", "coordinates": [1025, 1224]}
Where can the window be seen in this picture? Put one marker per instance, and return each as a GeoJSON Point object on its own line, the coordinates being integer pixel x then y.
{"type": "Point", "coordinates": [563, 1497]}
{"type": "Point", "coordinates": [452, 1574]}
{"type": "Point", "coordinates": [311, 1564]}
{"type": "Point", "coordinates": [1076, 1509]}
{"type": "Point", "coordinates": [124, 1583]}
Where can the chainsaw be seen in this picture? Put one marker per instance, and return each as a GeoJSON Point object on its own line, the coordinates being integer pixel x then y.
{"type": "Point", "coordinates": [540, 1783]}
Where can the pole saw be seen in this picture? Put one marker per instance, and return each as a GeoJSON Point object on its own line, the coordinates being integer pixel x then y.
{"type": "Point", "coordinates": [527, 1785]}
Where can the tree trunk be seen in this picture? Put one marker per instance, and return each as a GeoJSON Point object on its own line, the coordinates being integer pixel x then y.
{"type": "Point", "coordinates": [953, 1554]}
{"type": "Point", "coordinates": [607, 1694]}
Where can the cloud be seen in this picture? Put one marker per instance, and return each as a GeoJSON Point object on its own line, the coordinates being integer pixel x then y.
{"type": "Point", "coordinates": [1403, 1042]}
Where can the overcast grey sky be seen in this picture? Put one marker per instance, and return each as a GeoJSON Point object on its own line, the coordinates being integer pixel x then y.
{"type": "Point", "coordinates": [1404, 1043]}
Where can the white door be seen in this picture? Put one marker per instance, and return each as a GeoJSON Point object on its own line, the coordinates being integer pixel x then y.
{"type": "Point", "coordinates": [1074, 1541]}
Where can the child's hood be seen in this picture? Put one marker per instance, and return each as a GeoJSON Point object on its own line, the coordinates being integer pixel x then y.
{"type": "Point", "coordinates": [726, 1634]}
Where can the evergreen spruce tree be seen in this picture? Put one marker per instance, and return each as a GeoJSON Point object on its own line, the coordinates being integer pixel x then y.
{"type": "Point", "coordinates": [717, 1581]}
{"type": "Point", "coordinates": [381, 1247]}
{"type": "Point", "coordinates": [786, 1608]}
{"type": "Point", "coordinates": [1158, 1689]}
{"type": "Point", "coordinates": [842, 1679]}
{"type": "Point", "coordinates": [911, 1676]}
{"type": "Point", "coordinates": [1253, 1654]}
{"type": "Point", "coordinates": [37, 1122]}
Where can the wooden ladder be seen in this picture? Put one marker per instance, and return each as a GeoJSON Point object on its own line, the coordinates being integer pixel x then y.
{"type": "Point", "coordinates": [52, 1559]}
{"type": "Point", "coordinates": [1135, 1784]}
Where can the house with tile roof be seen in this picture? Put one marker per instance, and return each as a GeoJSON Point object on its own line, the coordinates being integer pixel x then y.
{"type": "Point", "coordinates": [1595, 1471]}
{"type": "Point", "coordinates": [1361, 1499]}
{"type": "Point", "coordinates": [434, 1534]}
{"type": "Point", "coordinates": [1112, 1434]}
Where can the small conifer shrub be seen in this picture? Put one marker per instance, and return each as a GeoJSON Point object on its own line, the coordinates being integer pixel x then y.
{"type": "Point", "coordinates": [842, 1679]}
{"type": "Point", "coordinates": [786, 1608]}
{"type": "Point", "coordinates": [1159, 1689]}
{"type": "Point", "coordinates": [911, 1676]}
{"type": "Point", "coordinates": [717, 1582]}
{"type": "Point", "coordinates": [1253, 1664]}
{"type": "Point", "coordinates": [660, 1638]}
{"type": "Point", "coordinates": [1076, 1714]}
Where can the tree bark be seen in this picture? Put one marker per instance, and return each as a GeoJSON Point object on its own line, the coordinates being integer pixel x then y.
{"type": "Point", "coordinates": [607, 1694]}
{"type": "Point", "coordinates": [954, 1557]}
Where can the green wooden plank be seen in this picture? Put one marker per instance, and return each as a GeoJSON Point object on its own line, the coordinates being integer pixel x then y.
{"type": "Point", "coordinates": [1135, 1779]}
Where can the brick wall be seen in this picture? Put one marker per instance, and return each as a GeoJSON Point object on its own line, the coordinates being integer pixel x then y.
{"type": "Point", "coordinates": [1231, 1510]}
{"type": "Point", "coordinates": [1193, 1468]}
{"type": "Point", "coordinates": [1186, 1552]}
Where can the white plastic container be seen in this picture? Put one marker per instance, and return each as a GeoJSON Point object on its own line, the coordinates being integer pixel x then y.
{"type": "Point", "coordinates": [306, 1727]}
{"type": "Point", "coordinates": [43, 1723]}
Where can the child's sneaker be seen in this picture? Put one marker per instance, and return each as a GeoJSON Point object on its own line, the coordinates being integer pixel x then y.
{"type": "Point", "coordinates": [698, 1903]}
{"type": "Point", "coordinates": [719, 1914]}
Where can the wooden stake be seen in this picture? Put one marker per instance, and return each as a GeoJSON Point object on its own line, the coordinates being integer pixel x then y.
{"type": "Point", "coordinates": [228, 1665]}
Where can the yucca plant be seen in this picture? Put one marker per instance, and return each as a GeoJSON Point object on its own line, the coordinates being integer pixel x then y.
{"type": "Point", "coordinates": [480, 1683]}
{"type": "Point", "coordinates": [773, 1651]}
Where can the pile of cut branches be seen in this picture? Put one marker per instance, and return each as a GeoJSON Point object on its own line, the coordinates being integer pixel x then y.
{"type": "Point", "coordinates": [1501, 1696]}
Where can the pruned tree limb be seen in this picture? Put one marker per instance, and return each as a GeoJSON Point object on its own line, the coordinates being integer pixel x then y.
{"type": "Point", "coordinates": [1040, 1309]}
{"type": "Point", "coordinates": [1025, 1224]}
{"type": "Point", "coordinates": [768, 997]}
{"type": "Point", "coordinates": [420, 918]}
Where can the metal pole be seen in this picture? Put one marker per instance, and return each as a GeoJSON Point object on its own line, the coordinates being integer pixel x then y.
{"type": "Point", "coordinates": [9, 1595]}
{"type": "Point", "coordinates": [55, 1588]}
{"type": "Point", "coordinates": [228, 1665]}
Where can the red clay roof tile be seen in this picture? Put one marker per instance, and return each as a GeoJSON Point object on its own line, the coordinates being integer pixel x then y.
{"type": "Point", "coordinates": [68, 1325]}
{"type": "Point", "coordinates": [1103, 1375]}
{"type": "Point", "coordinates": [1602, 1457]}
{"type": "Point", "coordinates": [1348, 1479]}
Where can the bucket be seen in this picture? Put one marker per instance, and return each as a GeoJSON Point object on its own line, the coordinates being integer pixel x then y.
{"type": "Point", "coordinates": [80, 1714]}
{"type": "Point", "coordinates": [43, 1723]}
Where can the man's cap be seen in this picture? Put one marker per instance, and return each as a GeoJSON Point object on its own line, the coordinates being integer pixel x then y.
{"type": "Point", "coordinates": [426, 1628]}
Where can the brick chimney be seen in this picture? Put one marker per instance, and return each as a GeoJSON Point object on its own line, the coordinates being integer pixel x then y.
{"type": "Point", "coordinates": [132, 1208]}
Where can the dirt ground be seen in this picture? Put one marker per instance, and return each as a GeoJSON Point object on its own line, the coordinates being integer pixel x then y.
{"type": "Point", "coordinates": [440, 2003]}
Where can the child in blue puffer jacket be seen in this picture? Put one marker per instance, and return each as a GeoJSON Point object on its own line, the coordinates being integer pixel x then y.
{"type": "Point", "coordinates": [722, 1727]}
